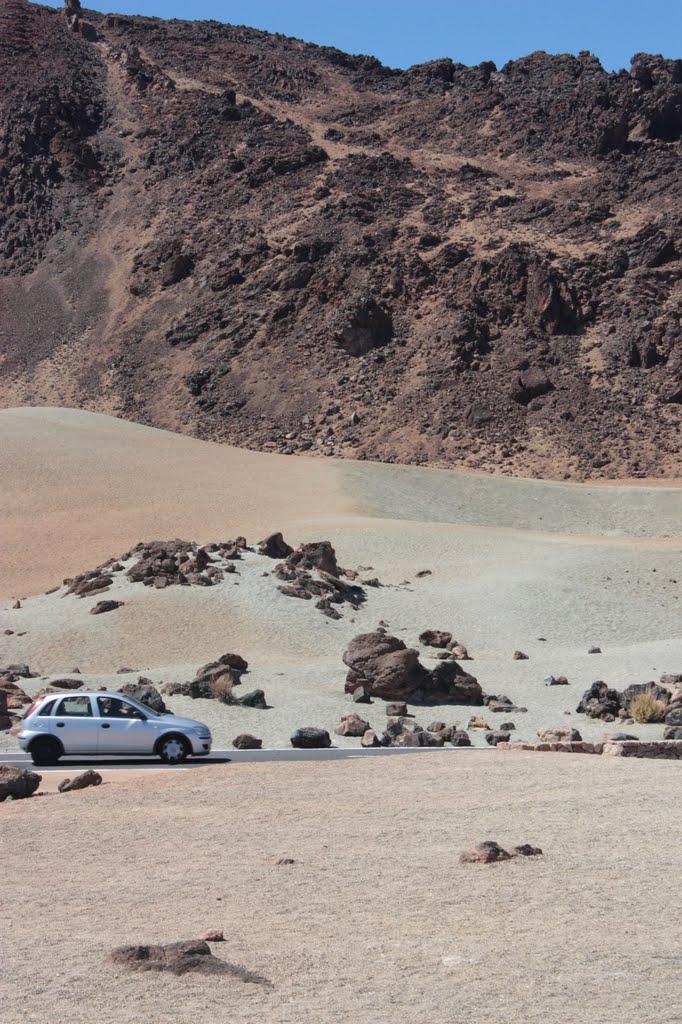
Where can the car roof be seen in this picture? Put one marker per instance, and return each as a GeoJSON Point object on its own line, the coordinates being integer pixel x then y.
{"type": "Point", "coordinates": [88, 693]}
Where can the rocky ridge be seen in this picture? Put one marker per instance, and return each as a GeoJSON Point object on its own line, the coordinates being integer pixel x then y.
{"type": "Point", "coordinates": [247, 238]}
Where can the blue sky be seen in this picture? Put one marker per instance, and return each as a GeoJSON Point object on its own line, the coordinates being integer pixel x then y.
{"type": "Point", "coordinates": [401, 33]}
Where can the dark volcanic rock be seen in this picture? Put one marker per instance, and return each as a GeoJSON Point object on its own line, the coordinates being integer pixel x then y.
{"type": "Point", "coordinates": [146, 693]}
{"type": "Point", "coordinates": [375, 296]}
{"type": "Point", "coordinates": [17, 783]}
{"type": "Point", "coordinates": [309, 737]}
{"type": "Point", "coordinates": [82, 781]}
{"type": "Point", "coordinates": [189, 956]}
{"type": "Point", "coordinates": [245, 741]}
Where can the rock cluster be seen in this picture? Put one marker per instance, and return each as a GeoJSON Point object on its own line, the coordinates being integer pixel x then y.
{"type": "Point", "coordinates": [608, 704]}
{"type": "Point", "coordinates": [384, 667]}
{"type": "Point", "coordinates": [311, 571]}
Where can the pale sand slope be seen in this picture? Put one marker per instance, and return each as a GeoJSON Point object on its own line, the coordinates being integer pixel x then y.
{"type": "Point", "coordinates": [495, 588]}
{"type": "Point", "coordinates": [377, 921]}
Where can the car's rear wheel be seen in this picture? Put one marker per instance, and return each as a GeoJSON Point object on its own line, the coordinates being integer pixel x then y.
{"type": "Point", "coordinates": [45, 751]}
{"type": "Point", "coordinates": [173, 749]}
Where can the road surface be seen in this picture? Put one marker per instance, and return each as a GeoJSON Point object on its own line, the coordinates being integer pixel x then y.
{"type": "Point", "coordinates": [18, 759]}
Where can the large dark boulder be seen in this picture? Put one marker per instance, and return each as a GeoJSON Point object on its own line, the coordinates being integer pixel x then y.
{"type": "Point", "coordinates": [309, 738]}
{"type": "Point", "coordinates": [82, 781]}
{"type": "Point", "coordinates": [451, 683]}
{"type": "Point", "coordinates": [383, 667]}
{"type": "Point", "coordinates": [17, 783]}
{"type": "Point", "coordinates": [316, 555]}
{"type": "Point", "coordinates": [275, 546]}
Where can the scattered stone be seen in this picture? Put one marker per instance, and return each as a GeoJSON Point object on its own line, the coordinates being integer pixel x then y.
{"type": "Point", "coordinates": [477, 722]}
{"type": "Point", "coordinates": [397, 709]}
{"type": "Point", "coordinates": [283, 861]}
{"type": "Point", "coordinates": [15, 697]}
{"type": "Point", "coordinates": [526, 850]}
{"type": "Point", "coordinates": [436, 727]}
{"type": "Point", "coordinates": [672, 732]}
{"type": "Point", "coordinates": [105, 606]}
{"type": "Point", "coordinates": [351, 725]}
{"type": "Point", "coordinates": [507, 727]}
{"type": "Point", "coordinates": [519, 656]}
{"type": "Point", "coordinates": [16, 605]}
{"type": "Point", "coordinates": [254, 699]}
{"type": "Point", "coordinates": [423, 572]}
{"type": "Point", "coordinates": [619, 737]}
{"type": "Point", "coordinates": [213, 935]}
{"type": "Point", "coordinates": [189, 956]}
{"type": "Point", "coordinates": [485, 853]}
{"type": "Point", "coordinates": [493, 738]}
{"type": "Point", "coordinates": [245, 741]}
{"type": "Point", "coordinates": [370, 739]}
{"type": "Point", "coordinates": [17, 783]}
{"type": "Point", "coordinates": [559, 735]}
{"type": "Point", "coordinates": [460, 738]}
{"type": "Point", "coordinates": [555, 681]}
{"type": "Point", "coordinates": [82, 781]}
{"type": "Point", "coordinates": [460, 652]}
{"type": "Point", "coordinates": [360, 697]}
{"type": "Point", "coordinates": [19, 670]}
{"type": "Point", "coordinates": [275, 546]}
{"type": "Point", "coordinates": [594, 650]}
{"type": "Point", "coordinates": [310, 738]}
{"type": "Point", "coordinates": [435, 638]}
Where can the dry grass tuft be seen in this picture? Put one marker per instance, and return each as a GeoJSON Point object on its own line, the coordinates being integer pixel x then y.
{"type": "Point", "coordinates": [223, 689]}
{"type": "Point", "coordinates": [645, 708]}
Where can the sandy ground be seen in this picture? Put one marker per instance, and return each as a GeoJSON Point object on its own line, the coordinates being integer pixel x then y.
{"type": "Point", "coordinates": [377, 920]}
{"type": "Point", "coordinates": [584, 566]}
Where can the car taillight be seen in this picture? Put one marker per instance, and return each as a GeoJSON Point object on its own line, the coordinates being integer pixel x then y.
{"type": "Point", "coordinates": [31, 710]}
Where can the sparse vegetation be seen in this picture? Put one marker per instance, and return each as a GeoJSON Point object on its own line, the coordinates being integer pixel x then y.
{"type": "Point", "coordinates": [223, 689]}
{"type": "Point", "coordinates": [645, 708]}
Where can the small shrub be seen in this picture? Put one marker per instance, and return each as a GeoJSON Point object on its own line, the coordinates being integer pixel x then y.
{"type": "Point", "coordinates": [645, 708]}
{"type": "Point", "coordinates": [222, 689]}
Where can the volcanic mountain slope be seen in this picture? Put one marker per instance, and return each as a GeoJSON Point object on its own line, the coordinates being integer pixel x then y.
{"type": "Point", "coordinates": [247, 238]}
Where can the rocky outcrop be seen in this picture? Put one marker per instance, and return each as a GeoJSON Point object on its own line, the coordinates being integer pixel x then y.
{"type": "Point", "coordinates": [602, 701]}
{"type": "Point", "coordinates": [490, 851]}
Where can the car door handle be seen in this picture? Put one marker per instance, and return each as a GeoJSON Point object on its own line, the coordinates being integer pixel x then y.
{"type": "Point", "coordinates": [60, 725]}
{"type": "Point", "coordinates": [106, 725]}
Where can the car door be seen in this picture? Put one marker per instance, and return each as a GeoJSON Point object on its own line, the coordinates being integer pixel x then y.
{"type": "Point", "coordinates": [74, 724]}
{"type": "Point", "coordinates": [122, 728]}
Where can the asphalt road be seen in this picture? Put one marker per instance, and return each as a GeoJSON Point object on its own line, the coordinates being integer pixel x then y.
{"type": "Point", "coordinates": [19, 759]}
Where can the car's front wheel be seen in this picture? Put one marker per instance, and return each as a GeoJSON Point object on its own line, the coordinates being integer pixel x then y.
{"type": "Point", "coordinates": [173, 749]}
{"type": "Point", "coordinates": [45, 751]}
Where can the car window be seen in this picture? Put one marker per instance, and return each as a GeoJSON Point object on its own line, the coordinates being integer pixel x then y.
{"type": "Point", "coordinates": [47, 707]}
{"type": "Point", "coordinates": [75, 707]}
{"type": "Point", "coordinates": [114, 707]}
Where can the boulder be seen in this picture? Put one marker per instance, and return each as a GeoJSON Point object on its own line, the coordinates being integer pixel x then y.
{"type": "Point", "coordinates": [146, 693]}
{"type": "Point", "coordinates": [435, 638]}
{"type": "Point", "coordinates": [274, 546]}
{"type": "Point", "coordinates": [17, 783]}
{"type": "Point", "coordinates": [397, 709]}
{"type": "Point", "coordinates": [360, 697]}
{"type": "Point", "coordinates": [559, 735]}
{"type": "Point", "coordinates": [308, 738]}
{"type": "Point", "coordinates": [653, 690]}
{"type": "Point", "coordinates": [383, 667]}
{"type": "Point", "coordinates": [105, 606]}
{"type": "Point", "coordinates": [448, 681]}
{"type": "Point", "coordinates": [477, 722]}
{"type": "Point", "coordinates": [672, 732]}
{"type": "Point", "coordinates": [674, 715]}
{"type": "Point", "coordinates": [352, 725]}
{"type": "Point", "coordinates": [485, 853]}
{"type": "Point", "coordinates": [5, 720]}
{"type": "Point", "coordinates": [460, 738]}
{"type": "Point", "coordinates": [245, 741]}
{"type": "Point", "coordinates": [317, 555]}
{"type": "Point", "coordinates": [189, 956]}
{"type": "Point", "coordinates": [82, 781]}
{"type": "Point", "coordinates": [493, 738]}
{"type": "Point", "coordinates": [15, 697]}
{"type": "Point", "coordinates": [370, 739]}
{"type": "Point", "coordinates": [19, 669]}
{"type": "Point", "coordinates": [519, 656]}
{"type": "Point", "coordinates": [254, 699]}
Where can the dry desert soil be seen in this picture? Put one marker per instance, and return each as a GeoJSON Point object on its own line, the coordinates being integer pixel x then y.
{"type": "Point", "coordinates": [377, 920]}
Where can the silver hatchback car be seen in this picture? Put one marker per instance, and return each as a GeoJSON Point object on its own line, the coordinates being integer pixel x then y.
{"type": "Point", "coordinates": [102, 722]}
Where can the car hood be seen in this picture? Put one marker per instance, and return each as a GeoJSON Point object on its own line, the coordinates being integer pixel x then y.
{"type": "Point", "coordinates": [184, 723]}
